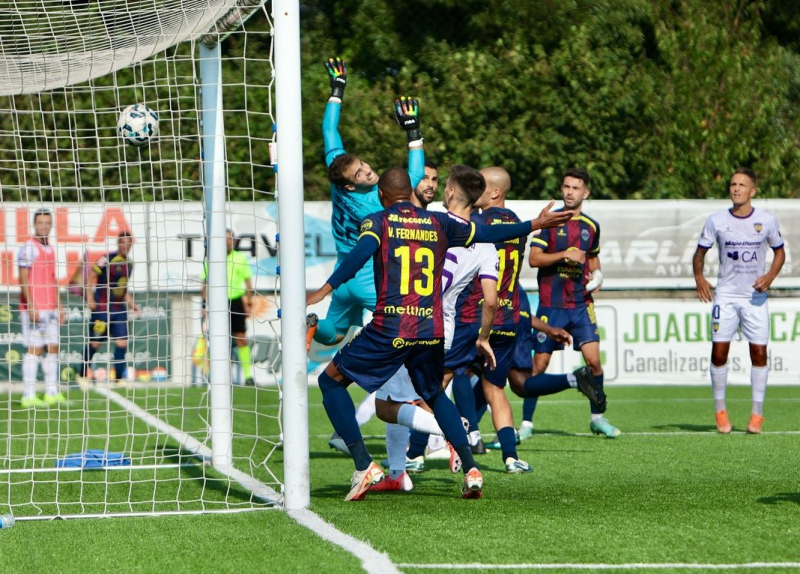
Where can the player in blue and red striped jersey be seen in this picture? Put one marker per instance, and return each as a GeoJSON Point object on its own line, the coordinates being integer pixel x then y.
{"type": "Point", "coordinates": [109, 302]}
{"type": "Point", "coordinates": [354, 195]}
{"type": "Point", "coordinates": [408, 246]}
{"type": "Point", "coordinates": [567, 258]}
{"type": "Point", "coordinates": [493, 381]}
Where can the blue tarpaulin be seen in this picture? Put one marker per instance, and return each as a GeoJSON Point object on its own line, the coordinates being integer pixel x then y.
{"type": "Point", "coordinates": [93, 458]}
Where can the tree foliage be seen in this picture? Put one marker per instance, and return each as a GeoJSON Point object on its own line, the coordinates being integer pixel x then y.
{"type": "Point", "coordinates": [657, 99]}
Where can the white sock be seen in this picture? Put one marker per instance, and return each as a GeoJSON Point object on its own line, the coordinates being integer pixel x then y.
{"type": "Point", "coordinates": [30, 367]}
{"type": "Point", "coordinates": [596, 416]}
{"type": "Point", "coordinates": [436, 442]}
{"type": "Point", "coordinates": [474, 437]}
{"type": "Point", "coordinates": [526, 424]}
{"type": "Point", "coordinates": [758, 382]}
{"type": "Point", "coordinates": [719, 380]}
{"type": "Point", "coordinates": [396, 444]}
{"type": "Point", "coordinates": [365, 410]}
{"type": "Point", "coordinates": [50, 368]}
{"type": "Point", "coordinates": [573, 382]}
{"type": "Point", "coordinates": [418, 419]}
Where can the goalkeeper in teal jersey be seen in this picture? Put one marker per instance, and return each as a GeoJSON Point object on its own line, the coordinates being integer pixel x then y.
{"type": "Point", "coordinates": [354, 195]}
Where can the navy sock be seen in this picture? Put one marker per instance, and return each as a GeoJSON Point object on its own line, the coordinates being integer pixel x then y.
{"type": "Point", "coordinates": [119, 362]}
{"type": "Point", "coordinates": [417, 443]}
{"type": "Point", "coordinates": [467, 460]}
{"type": "Point", "coordinates": [508, 442]}
{"type": "Point", "coordinates": [528, 408]}
{"type": "Point", "coordinates": [449, 420]}
{"type": "Point", "coordinates": [361, 457]}
{"type": "Point", "coordinates": [599, 378]}
{"type": "Point", "coordinates": [544, 384]}
{"type": "Point", "coordinates": [465, 400]}
{"type": "Point", "coordinates": [88, 355]}
{"type": "Point", "coordinates": [480, 402]}
{"type": "Point", "coordinates": [341, 411]}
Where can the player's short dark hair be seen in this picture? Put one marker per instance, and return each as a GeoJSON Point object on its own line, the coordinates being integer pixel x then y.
{"type": "Point", "coordinates": [469, 180]}
{"type": "Point", "coordinates": [395, 182]}
{"type": "Point", "coordinates": [745, 171]}
{"type": "Point", "coordinates": [337, 168]}
{"type": "Point", "coordinates": [42, 211]}
{"type": "Point", "coordinates": [124, 233]}
{"type": "Point", "coordinates": [429, 163]}
{"type": "Point", "coordinates": [578, 173]}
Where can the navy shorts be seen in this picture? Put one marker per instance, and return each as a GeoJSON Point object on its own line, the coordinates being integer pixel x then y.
{"type": "Point", "coordinates": [462, 351]}
{"type": "Point", "coordinates": [579, 322]}
{"type": "Point", "coordinates": [522, 359]}
{"type": "Point", "coordinates": [105, 324]}
{"type": "Point", "coordinates": [502, 341]}
{"type": "Point", "coordinates": [371, 358]}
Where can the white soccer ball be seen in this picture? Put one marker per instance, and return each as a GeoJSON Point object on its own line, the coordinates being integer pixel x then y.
{"type": "Point", "coordinates": [138, 125]}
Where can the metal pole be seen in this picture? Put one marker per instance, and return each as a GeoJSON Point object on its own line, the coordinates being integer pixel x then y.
{"type": "Point", "coordinates": [214, 190]}
{"type": "Point", "coordinates": [286, 16]}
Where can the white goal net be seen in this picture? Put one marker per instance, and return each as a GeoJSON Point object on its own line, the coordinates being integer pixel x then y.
{"type": "Point", "coordinates": [136, 409]}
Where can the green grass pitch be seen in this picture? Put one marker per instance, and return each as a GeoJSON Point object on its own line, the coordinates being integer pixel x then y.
{"type": "Point", "coordinates": [669, 491]}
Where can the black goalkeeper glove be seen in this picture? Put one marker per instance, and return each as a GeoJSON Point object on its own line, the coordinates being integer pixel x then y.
{"type": "Point", "coordinates": [337, 70]}
{"type": "Point", "coordinates": [407, 111]}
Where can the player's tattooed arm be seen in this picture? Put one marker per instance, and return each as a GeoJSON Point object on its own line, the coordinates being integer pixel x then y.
{"type": "Point", "coordinates": [488, 312]}
{"type": "Point", "coordinates": [703, 286]}
{"type": "Point", "coordinates": [557, 334]}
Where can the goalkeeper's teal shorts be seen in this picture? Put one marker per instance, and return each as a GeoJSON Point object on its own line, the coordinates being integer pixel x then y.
{"type": "Point", "coordinates": [351, 299]}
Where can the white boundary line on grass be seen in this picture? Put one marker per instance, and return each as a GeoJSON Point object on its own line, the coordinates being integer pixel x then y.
{"type": "Point", "coordinates": [634, 566]}
{"type": "Point", "coordinates": [373, 561]}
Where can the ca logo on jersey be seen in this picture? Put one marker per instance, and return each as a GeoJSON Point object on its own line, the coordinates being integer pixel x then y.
{"type": "Point", "coordinates": [758, 227]}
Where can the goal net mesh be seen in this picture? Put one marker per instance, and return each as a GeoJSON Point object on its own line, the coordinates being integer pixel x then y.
{"type": "Point", "coordinates": [138, 440]}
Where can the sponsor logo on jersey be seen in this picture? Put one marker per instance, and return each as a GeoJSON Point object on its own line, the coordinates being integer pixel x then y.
{"type": "Point", "coordinates": [399, 343]}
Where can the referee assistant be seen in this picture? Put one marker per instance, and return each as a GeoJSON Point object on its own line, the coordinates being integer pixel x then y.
{"type": "Point", "coordinates": [240, 299]}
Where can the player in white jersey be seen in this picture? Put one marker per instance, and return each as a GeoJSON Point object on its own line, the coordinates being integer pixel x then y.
{"type": "Point", "coordinates": [742, 235]}
{"type": "Point", "coordinates": [397, 401]}
{"type": "Point", "coordinates": [40, 312]}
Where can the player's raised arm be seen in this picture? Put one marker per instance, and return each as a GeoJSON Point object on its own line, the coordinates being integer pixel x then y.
{"type": "Point", "coordinates": [407, 114]}
{"type": "Point", "coordinates": [337, 74]}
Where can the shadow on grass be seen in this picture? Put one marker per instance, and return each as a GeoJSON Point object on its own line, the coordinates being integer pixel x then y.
{"type": "Point", "coordinates": [224, 486]}
{"type": "Point", "coordinates": [781, 497]}
{"type": "Point", "coordinates": [686, 427]}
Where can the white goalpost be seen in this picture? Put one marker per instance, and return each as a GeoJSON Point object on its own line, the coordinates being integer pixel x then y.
{"type": "Point", "coordinates": [190, 418]}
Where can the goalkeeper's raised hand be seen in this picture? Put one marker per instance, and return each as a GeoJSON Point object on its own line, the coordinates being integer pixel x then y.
{"type": "Point", "coordinates": [337, 72]}
{"type": "Point", "coordinates": [407, 112]}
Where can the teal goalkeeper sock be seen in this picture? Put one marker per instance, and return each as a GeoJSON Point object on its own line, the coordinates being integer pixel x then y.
{"type": "Point", "coordinates": [326, 332]}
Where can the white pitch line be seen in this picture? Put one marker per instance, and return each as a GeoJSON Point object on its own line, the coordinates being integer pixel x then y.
{"type": "Point", "coordinates": [624, 434]}
{"type": "Point", "coordinates": [634, 566]}
{"type": "Point", "coordinates": [373, 561]}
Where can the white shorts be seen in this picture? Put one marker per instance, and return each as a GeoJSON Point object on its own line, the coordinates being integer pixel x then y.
{"type": "Point", "coordinates": [752, 317]}
{"type": "Point", "coordinates": [46, 332]}
{"type": "Point", "coordinates": [399, 388]}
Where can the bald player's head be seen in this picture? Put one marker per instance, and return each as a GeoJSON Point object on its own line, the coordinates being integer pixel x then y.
{"type": "Point", "coordinates": [497, 178]}
{"type": "Point", "coordinates": [394, 185]}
